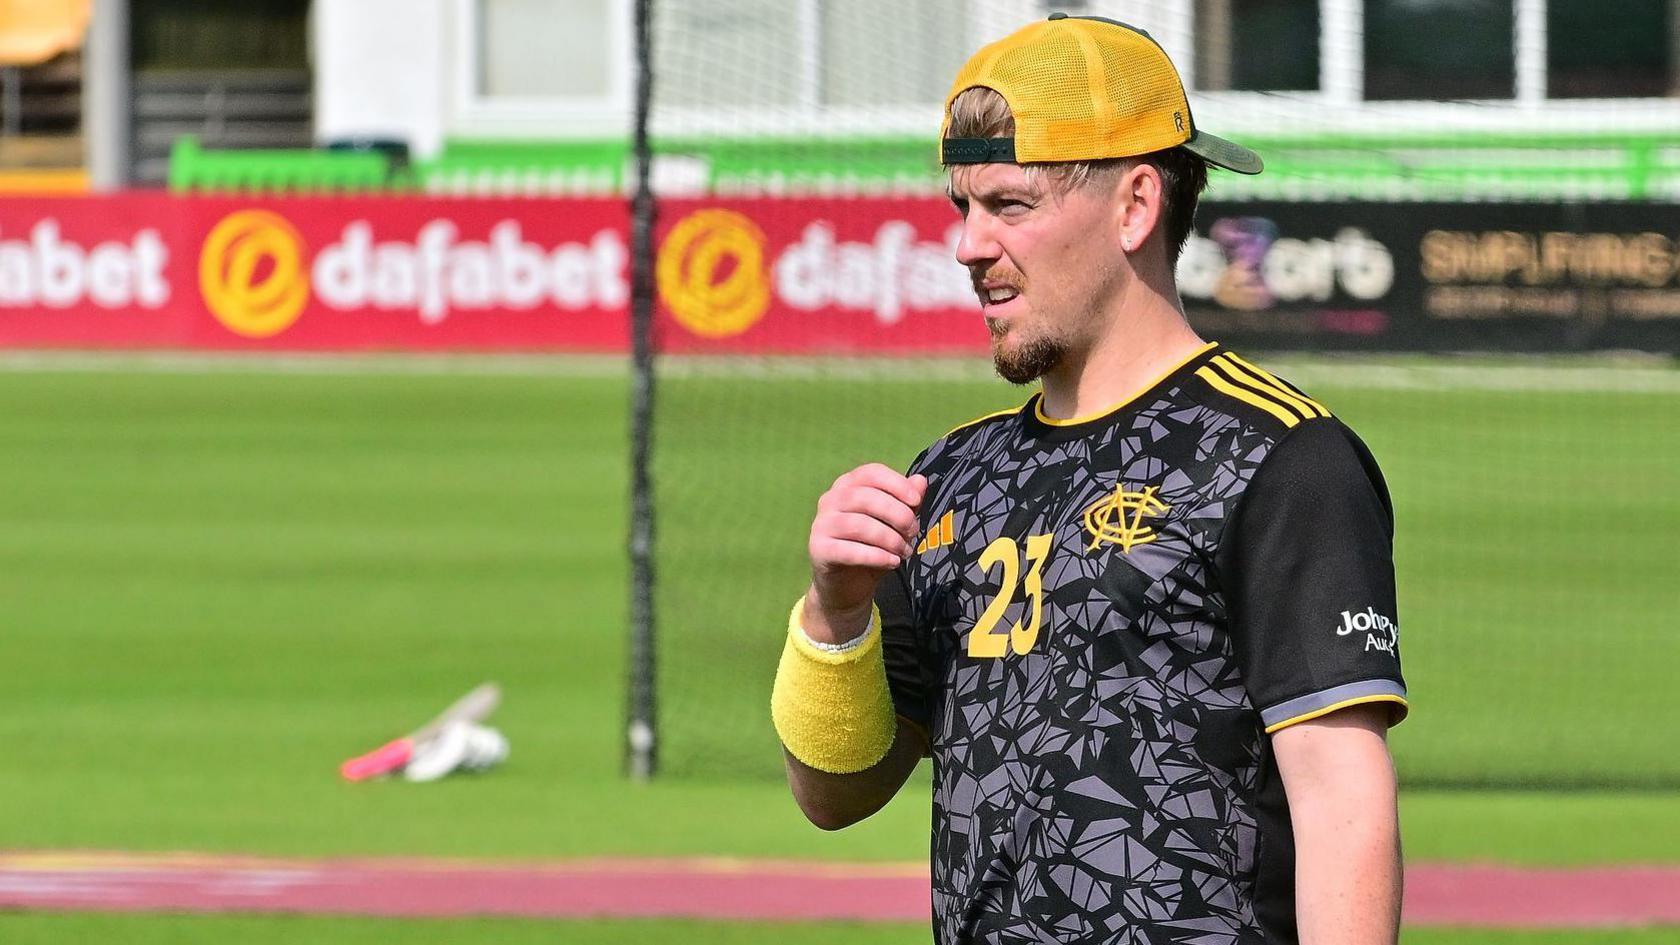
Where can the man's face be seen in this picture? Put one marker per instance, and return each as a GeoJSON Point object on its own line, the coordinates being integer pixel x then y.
{"type": "Point", "coordinates": [1045, 262]}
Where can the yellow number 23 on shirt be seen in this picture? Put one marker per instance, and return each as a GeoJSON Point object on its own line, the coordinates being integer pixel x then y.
{"type": "Point", "coordinates": [986, 641]}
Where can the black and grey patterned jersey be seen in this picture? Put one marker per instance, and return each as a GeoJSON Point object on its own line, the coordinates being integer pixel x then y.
{"type": "Point", "coordinates": [1103, 622]}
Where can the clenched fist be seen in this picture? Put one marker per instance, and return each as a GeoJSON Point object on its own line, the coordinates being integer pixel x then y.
{"type": "Point", "coordinates": [865, 527]}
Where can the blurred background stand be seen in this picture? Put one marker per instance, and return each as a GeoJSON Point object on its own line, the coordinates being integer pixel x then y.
{"type": "Point", "coordinates": [40, 93]}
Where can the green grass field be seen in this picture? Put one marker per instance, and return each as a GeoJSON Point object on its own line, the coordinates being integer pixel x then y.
{"type": "Point", "coordinates": [217, 585]}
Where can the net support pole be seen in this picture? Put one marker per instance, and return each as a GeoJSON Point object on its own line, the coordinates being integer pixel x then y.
{"type": "Point", "coordinates": [641, 741]}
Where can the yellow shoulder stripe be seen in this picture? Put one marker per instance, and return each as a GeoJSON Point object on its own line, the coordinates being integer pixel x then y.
{"type": "Point", "coordinates": [989, 416]}
{"type": "Point", "coordinates": [1242, 378]}
{"type": "Point", "coordinates": [1247, 396]}
{"type": "Point", "coordinates": [1277, 381]}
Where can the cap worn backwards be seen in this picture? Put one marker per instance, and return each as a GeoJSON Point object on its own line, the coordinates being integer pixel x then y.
{"type": "Point", "coordinates": [1084, 88]}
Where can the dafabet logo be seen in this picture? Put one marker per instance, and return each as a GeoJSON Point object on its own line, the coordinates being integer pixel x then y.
{"type": "Point", "coordinates": [251, 273]}
{"type": "Point", "coordinates": [46, 269]}
{"type": "Point", "coordinates": [257, 274]}
{"type": "Point", "coordinates": [718, 272]}
{"type": "Point", "coordinates": [712, 275]}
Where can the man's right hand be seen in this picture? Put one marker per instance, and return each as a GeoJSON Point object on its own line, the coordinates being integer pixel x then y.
{"type": "Point", "coordinates": [865, 526]}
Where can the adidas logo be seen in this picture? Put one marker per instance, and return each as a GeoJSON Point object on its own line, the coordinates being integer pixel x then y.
{"type": "Point", "coordinates": [939, 534]}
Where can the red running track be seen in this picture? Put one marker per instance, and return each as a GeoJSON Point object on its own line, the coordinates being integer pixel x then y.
{"type": "Point", "coordinates": [1486, 896]}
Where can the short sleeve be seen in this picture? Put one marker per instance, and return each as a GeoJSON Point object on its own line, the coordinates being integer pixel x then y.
{"type": "Point", "coordinates": [907, 676]}
{"type": "Point", "coordinates": [1307, 564]}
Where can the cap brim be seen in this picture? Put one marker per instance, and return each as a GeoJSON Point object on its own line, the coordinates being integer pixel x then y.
{"type": "Point", "coordinates": [1227, 154]}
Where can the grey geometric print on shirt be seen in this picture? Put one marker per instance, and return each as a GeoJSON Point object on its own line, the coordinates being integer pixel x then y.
{"type": "Point", "coordinates": [1103, 786]}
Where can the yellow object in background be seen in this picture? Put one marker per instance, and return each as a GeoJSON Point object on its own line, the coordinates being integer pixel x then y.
{"type": "Point", "coordinates": [49, 182]}
{"type": "Point", "coordinates": [33, 31]}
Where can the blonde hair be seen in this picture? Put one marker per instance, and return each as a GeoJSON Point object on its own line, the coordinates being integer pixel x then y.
{"type": "Point", "coordinates": [981, 112]}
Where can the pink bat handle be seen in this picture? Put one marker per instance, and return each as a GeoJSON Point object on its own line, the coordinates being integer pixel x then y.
{"type": "Point", "coordinates": [382, 760]}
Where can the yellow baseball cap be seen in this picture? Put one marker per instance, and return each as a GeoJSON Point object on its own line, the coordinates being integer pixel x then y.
{"type": "Point", "coordinates": [1084, 88]}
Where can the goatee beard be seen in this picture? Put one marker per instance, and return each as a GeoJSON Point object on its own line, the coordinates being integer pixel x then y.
{"type": "Point", "coordinates": [1033, 360]}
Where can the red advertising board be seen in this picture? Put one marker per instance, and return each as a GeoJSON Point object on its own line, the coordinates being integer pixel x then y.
{"type": "Point", "coordinates": [815, 276]}
{"type": "Point", "coordinates": [409, 273]}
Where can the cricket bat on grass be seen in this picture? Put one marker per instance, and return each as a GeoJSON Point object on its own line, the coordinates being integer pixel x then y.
{"type": "Point", "coordinates": [475, 706]}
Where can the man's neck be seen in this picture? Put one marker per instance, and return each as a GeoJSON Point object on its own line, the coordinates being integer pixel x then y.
{"type": "Point", "coordinates": [1142, 345]}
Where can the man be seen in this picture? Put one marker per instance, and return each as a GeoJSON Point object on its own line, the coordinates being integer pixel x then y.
{"type": "Point", "coordinates": [1144, 624]}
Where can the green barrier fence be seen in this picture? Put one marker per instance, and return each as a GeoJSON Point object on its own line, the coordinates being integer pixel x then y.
{"type": "Point", "coordinates": [1454, 166]}
{"type": "Point", "coordinates": [191, 168]}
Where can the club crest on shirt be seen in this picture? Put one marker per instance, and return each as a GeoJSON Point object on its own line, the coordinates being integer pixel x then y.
{"type": "Point", "coordinates": [1119, 519]}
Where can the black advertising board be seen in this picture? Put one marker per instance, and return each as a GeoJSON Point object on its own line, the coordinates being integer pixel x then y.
{"type": "Point", "coordinates": [1435, 276]}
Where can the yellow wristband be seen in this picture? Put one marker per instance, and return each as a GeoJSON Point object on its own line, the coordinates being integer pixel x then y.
{"type": "Point", "coordinates": [832, 709]}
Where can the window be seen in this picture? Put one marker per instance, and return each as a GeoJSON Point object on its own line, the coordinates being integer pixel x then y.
{"type": "Point", "coordinates": [253, 34]}
{"type": "Point", "coordinates": [801, 53]}
{"type": "Point", "coordinates": [41, 113]}
{"type": "Point", "coordinates": [728, 52]}
{"type": "Point", "coordinates": [1257, 45]}
{"type": "Point", "coordinates": [1439, 49]}
{"type": "Point", "coordinates": [912, 61]}
{"type": "Point", "coordinates": [1592, 54]}
{"type": "Point", "coordinates": [542, 49]}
